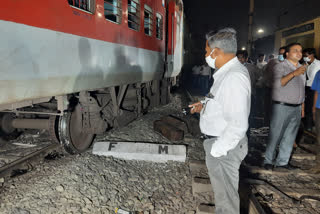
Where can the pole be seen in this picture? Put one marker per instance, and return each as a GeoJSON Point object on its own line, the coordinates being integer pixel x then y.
{"type": "Point", "coordinates": [250, 36]}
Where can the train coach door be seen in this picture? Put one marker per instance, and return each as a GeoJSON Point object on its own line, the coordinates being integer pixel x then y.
{"type": "Point", "coordinates": [174, 38]}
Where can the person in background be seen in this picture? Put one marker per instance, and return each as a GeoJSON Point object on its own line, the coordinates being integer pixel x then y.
{"type": "Point", "coordinates": [282, 50]}
{"type": "Point", "coordinates": [242, 56]}
{"type": "Point", "coordinates": [268, 71]}
{"type": "Point", "coordinates": [260, 85]}
{"type": "Point", "coordinates": [271, 57]}
{"type": "Point", "coordinates": [316, 116]}
{"type": "Point", "coordinates": [205, 74]}
{"type": "Point", "coordinates": [287, 108]}
{"type": "Point", "coordinates": [260, 62]}
{"type": "Point", "coordinates": [195, 76]}
{"type": "Point", "coordinates": [224, 119]}
{"type": "Point", "coordinates": [309, 57]}
{"type": "Point", "coordinates": [267, 82]}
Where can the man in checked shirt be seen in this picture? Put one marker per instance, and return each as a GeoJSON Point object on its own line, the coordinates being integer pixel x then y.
{"type": "Point", "coordinates": [224, 119]}
{"type": "Point", "coordinates": [288, 94]}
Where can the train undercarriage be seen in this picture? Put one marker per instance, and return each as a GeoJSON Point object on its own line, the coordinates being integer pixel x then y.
{"type": "Point", "coordinates": [73, 120]}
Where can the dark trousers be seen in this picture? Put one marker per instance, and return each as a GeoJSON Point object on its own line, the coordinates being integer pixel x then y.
{"type": "Point", "coordinates": [317, 118]}
{"type": "Point", "coordinates": [308, 121]}
{"type": "Point", "coordinates": [260, 100]}
{"type": "Point", "coordinates": [204, 81]}
{"type": "Point", "coordinates": [317, 122]}
{"type": "Point", "coordinates": [252, 123]}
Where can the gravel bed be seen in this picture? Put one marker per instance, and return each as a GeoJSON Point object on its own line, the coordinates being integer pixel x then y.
{"type": "Point", "coordinates": [87, 183]}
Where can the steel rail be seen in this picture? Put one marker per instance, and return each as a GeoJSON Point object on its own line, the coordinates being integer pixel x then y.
{"type": "Point", "coordinates": [8, 168]}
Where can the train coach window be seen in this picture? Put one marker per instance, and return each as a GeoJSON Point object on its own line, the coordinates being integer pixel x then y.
{"type": "Point", "coordinates": [159, 26]}
{"type": "Point", "coordinates": [134, 14]}
{"type": "Point", "coordinates": [87, 5]}
{"type": "Point", "coordinates": [148, 20]}
{"type": "Point", "coordinates": [112, 10]}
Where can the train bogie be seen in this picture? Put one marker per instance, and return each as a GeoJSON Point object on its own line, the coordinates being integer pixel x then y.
{"type": "Point", "coordinates": [80, 67]}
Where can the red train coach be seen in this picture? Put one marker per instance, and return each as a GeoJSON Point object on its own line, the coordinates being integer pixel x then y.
{"type": "Point", "coordinates": [80, 67]}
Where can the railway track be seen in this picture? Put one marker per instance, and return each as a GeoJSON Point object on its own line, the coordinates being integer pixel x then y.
{"type": "Point", "coordinates": [19, 158]}
{"type": "Point", "coordinates": [8, 169]}
{"type": "Point", "coordinates": [281, 190]}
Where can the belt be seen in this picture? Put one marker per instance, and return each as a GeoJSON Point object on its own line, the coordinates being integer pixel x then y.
{"type": "Point", "coordinates": [204, 136]}
{"type": "Point", "coordinates": [286, 104]}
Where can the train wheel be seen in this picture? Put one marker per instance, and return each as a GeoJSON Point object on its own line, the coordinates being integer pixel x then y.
{"type": "Point", "coordinates": [7, 132]}
{"type": "Point", "coordinates": [72, 136]}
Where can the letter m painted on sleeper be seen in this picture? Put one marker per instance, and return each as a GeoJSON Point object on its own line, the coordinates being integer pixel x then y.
{"type": "Point", "coordinates": [163, 149]}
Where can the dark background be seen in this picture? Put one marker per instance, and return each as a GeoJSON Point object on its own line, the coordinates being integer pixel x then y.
{"type": "Point", "coordinates": [202, 16]}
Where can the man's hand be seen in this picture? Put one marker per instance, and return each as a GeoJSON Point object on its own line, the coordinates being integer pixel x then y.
{"type": "Point", "coordinates": [195, 108]}
{"type": "Point", "coordinates": [291, 75]}
{"type": "Point", "coordinates": [300, 70]}
{"type": "Point", "coordinates": [314, 113]}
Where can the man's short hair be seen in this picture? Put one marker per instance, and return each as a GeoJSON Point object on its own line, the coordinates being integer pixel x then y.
{"type": "Point", "coordinates": [282, 48]}
{"type": "Point", "coordinates": [310, 51]}
{"type": "Point", "coordinates": [261, 54]}
{"type": "Point", "coordinates": [288, 47]}
{"type": "Point", "coordinates": [224, 39]}
{"type": "Point", "coordinates": [244, 53]}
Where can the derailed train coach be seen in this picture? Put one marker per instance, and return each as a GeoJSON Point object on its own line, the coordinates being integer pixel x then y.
{"type": "Point", "coordinates": [78, 68]}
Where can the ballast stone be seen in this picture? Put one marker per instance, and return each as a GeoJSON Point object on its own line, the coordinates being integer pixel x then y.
{"type": "Point", "coordinates": [141, 151]}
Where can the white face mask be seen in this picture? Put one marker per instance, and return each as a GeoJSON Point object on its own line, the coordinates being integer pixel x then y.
{"type": "Point", "coordinates": [211, 62]}
{"type": "Point", "coordinates": [306, 59]}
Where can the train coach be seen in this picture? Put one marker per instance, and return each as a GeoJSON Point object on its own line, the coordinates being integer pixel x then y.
{"type": "Point", "coordinates": [78, 68]}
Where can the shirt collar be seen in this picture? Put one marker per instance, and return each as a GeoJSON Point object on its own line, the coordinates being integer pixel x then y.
{"type": "Point", "coordinates": [292, 65]}
{"type": "Point", "coordinates": [314, 61]}
{"type": "Point", "coordinates": [225, 67]}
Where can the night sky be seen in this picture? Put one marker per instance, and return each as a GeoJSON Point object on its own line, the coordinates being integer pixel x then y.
{"type": "Point", "coordinates": [205, 15]}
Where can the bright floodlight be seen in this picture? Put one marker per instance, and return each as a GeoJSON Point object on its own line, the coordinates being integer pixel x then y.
{"type": "Point", "coordinates": [243, 48]}
{"type": "Point", "coordinates": [260, 30]}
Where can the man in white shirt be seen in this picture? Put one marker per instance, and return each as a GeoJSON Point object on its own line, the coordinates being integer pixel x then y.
{"type": "Point", "coordinates": [313, 67]}
{"type": "Point", "coordinates": [260, 62]}
{"type": "Point", "coordinates": [224, 119]}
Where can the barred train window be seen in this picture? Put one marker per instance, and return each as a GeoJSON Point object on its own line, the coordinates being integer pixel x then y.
{"type": "Point", "coordinates": [81, 4]}
{"type": "Point", "coordinates": [148, 20]}
{"type": "Point", "coordinates": [159, 26]}
{"type": "Point", "coordinates": [112, 10]}
{"type": "Point", "coordinates": [134, 14]}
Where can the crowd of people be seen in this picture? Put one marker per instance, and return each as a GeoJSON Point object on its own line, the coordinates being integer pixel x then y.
{"type": "Point", "coordinates": [288, 86]}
